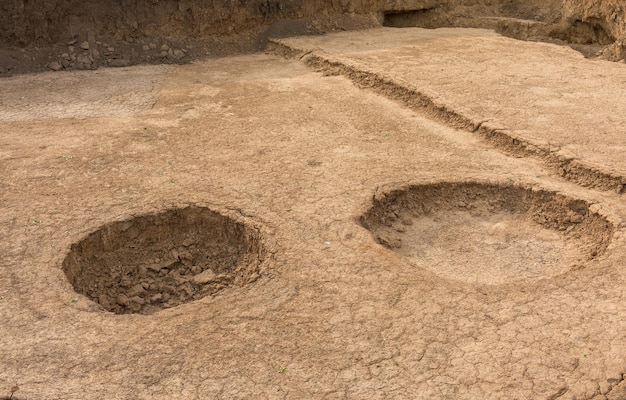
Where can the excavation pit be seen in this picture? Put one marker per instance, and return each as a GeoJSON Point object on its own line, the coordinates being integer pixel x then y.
{"type": "Point", "coordinates": [488, 233]}
{"type": "Point", "coordinates": [157, 261]}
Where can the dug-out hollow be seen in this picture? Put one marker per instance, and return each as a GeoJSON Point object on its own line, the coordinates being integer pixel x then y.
{"type": "Point", "coordinates": [156, 261]}
{"type": "Point", "coordinates": [488, 233]}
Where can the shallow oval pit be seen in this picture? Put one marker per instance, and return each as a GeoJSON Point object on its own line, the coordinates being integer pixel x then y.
{"type": "Point", "coordinates": [157, 261]}
{"type": "Point", "coordinates": [488, 233]}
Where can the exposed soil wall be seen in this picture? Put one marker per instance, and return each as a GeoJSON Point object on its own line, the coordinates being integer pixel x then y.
{"type": "Point", "coordinates": [86, 34]}
{"type": "Point", "coordinates": [606, 18]}
{"type": "Point", "coordinates": [46, 22]}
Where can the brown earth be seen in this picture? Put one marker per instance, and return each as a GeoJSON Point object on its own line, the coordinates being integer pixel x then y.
{"type": "Point", "coordinates": [387, 252]}
{"type": "Point", "coordinates": [389, 213]}
{"type": "Point", "coordinates": [38, 35]}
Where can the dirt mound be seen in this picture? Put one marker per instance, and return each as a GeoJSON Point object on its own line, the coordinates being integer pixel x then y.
{"type": "Point", "coordinates": [485, 233]}
{"type": "Point", "coordinates": [163, 260]}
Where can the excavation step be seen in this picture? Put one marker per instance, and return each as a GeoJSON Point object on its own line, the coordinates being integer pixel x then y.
{"type": "Point", "coordinates": [526, 98]}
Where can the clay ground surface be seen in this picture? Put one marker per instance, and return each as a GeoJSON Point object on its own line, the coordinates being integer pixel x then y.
{"type": "Point", "coordinates": [300, 156]}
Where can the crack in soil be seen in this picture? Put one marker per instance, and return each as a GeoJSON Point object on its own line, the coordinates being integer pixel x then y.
{"type": "Point", "coordinates": [573, 170]}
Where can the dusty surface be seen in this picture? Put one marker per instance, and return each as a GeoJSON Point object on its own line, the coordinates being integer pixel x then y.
{"type": "Point", "coordinates": [532, 98]}
{"type": "Point", "coordinates": [301, 157]}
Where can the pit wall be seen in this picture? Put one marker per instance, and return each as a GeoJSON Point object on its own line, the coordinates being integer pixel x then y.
{"type": "Point", "coordinates": [40, 22]}
{"type": "Point", "coordinates": [86, 34]}
{"type": "Point", "coordinates": [609, 15]}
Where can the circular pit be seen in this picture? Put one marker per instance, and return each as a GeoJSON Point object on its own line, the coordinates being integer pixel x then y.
{"type": "Point", "coordinates": [157, 261]}
{"type": "Point", "coordinates": [488, 233]}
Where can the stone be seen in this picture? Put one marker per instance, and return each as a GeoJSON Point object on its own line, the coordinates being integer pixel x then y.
{"type": "Point", "coordinates": [146, 47]}
{"type": "Point", "coordinates": [204, 277]}
{"type": "Point", "coordinates": [165, 47]}
{"type": "Point", "coordinates": [104, 302]}
{"type": "Point", "coordinates": [136, 290]}
{"type": "Point", "coordinates": [119, 62]}
{"type": "Point", "coordinates": [122, 300]}
{"type": "Point", "coordinates": [55, 66]}
{"type": "Point", "coordinates": [84, 45]}
{"type": "Point", "coordinates": [84, 61]}
{"type": "Point", "coordinates": [155, 267]}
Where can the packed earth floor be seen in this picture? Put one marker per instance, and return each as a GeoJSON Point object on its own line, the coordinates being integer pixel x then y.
{"type": "Point", "coordinates": [386, 214]}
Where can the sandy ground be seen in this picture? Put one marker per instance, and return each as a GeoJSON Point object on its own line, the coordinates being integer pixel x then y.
{"type": "Point", "coordinates": [548, 99]}
{"type": "Point", "coordinates": [300, 157]}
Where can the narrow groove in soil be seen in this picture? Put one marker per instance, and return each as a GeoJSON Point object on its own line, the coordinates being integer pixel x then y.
{"type": "Point", "coordinates": [573, 170]}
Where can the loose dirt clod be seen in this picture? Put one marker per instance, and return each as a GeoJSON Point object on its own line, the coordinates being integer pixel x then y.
{"type": "Point", "coordinates": [163, 260]}
{"type": "Point", "coordinates": [485, 233]}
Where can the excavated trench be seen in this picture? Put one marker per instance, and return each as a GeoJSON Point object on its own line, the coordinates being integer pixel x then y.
{"type": "Point", "coordinates": [488, 233]}
{"type": "Point", "coordinates": [158, 261]}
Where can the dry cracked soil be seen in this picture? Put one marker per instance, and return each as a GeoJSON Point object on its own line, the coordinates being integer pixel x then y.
{"type": "Point", "coordinates": [386, 214]}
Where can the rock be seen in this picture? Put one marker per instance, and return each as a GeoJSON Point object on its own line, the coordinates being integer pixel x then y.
{"type": "Point", "coordinates": [389, 242]}
{"type": "Point", "coordinates": [84, 45]}
{"type": "Point", "coordinates": [55, 66]}
{"type": "Point", "coordinates": [178, 54]}
{"type": "Point", "coordinates": [84, 61]}
{"type": "Point", "coordinates": [65, 56]}
{"type": "Point", "coordinates": [165, 47]}
{"type": "Point", "coordinates": [119, 62]}
{"type": "Point", "coordinates": [146, 47]}
{"type": "Point", "coordinates": [104, 302]}
{"type": "Point", "coordinates": [110, 49]}
{"type": "Point", "coordinates": [72, 42]}
{"type": "Point", "coordinates": [136, 290]}
{"type": "Point", "coordinates": [95, 53]}
{"type": "Point", "coordinates": [71, 49]}
{"type": "Point", "coordinates": [204, 277]}
{"type": "Point", "coordinates": [577, 218]}
{"type": "Point", "coordinates": [153, 46]}
{"type": "Point", "coordinates": [122, 300]}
